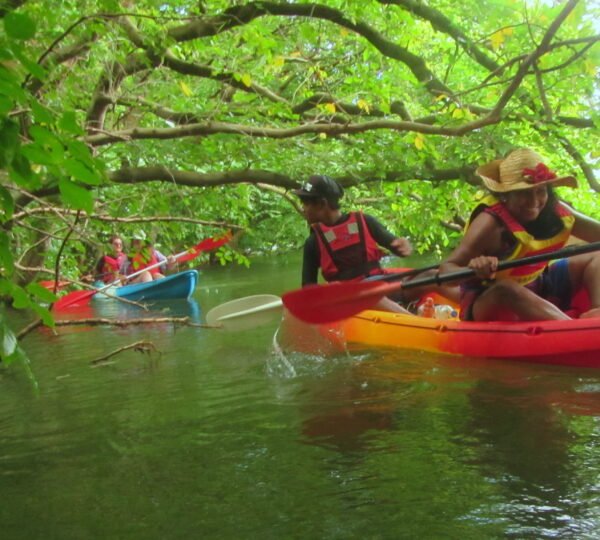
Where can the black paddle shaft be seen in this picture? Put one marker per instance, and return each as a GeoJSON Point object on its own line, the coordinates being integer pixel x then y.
{"type": "Point", "coordinates": [401, 275]}
{"type": "Point", "coordinates": [563, 253]}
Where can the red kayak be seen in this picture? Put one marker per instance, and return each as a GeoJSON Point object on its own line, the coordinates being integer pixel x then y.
{"type": "Point", "coordinates": [573, 342]}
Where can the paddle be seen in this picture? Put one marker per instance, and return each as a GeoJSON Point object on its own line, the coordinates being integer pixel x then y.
{"type": "Point", "coordinates": [393, 276]}
{"type": "Point", "coordinates": [82, 297]}
{"type": "Point", "coordinates": [245, 313]}
{"type": "Point", "coordinates": [251, 311]}
{"type": "Point", "coordinates": [319, 304]}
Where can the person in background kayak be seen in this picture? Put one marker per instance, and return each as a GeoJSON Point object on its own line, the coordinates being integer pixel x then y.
{"type": "Point", "coordinates": [524, 217]}
{"type": "Point", "coordinates": [344, 246]}
{"type": "Point", "coordinates": [108, 266]}
{"type": "Point", "coordinates": [144, 255]}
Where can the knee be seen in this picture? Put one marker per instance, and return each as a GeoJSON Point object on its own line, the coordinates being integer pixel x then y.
{"type": "Point", "coordinates": [506, 291]}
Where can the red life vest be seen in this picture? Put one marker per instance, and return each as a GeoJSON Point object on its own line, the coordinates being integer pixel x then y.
{"type": "Point", "coordinates": [348, 251]}
{"type": "Point", "coordinates": [144, 258]}
{"type": "Point", "coordinates": [527, 245]}
{"type": "Point", "coordinates": [110, 267]}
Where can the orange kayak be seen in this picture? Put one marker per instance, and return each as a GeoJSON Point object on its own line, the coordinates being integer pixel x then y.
{"type": "Point", "coordinates": [573, 342]}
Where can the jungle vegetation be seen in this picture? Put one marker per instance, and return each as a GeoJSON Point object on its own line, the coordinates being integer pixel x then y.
{"type": "Point", "coordinates": [188, 118]}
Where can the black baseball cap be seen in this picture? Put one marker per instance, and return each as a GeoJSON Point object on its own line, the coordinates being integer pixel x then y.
{"type": "Point", "coordinates": [320, 187]}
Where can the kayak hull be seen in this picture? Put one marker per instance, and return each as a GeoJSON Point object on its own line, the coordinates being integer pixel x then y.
{"type": "Point", "coordinates": [573, 342]}
{"type": "Point", "coordinates": [570, 343]}
{"type": "Point", "coordinates": [180, 285]}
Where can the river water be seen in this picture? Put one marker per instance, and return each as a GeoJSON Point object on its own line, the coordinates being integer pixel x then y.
{"type": "Point", "coordinates": [225, 435]}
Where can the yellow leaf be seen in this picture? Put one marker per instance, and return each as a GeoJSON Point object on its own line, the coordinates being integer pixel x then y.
{"type": "Point", "coordinates": [329, 107]}
{"type": "Point", "coordinates": [419, 141]}
{"type": "Point", "coordinates": [278, 61]}
{"type": "Point", "coordinates": [322, 135]}
{"type": "Point", "coordinates": [344, 32]}
{"type": "Point", "coordinates": [247, 80]}
{"type": "Point", "coordinates": [497, 39]}
{"type": "Point", "coordinates": [590, 68]}
{"type": "Point", "coordinates": [363, 106]}
{"type": "Point", "coordinates": [185, 89]}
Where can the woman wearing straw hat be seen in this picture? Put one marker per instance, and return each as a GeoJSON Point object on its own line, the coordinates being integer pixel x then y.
{"type": "Point", "coordinates": [523, 217]}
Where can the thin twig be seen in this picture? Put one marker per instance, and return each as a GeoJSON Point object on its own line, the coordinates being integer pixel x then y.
{"type": "Point", "coordinates": [139, 346]}
{"type": "Point", "coordinates": [60, 251]}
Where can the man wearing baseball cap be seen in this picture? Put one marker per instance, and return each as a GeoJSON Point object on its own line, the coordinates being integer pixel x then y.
{"type": "Point", "coordinates": [344, 246]}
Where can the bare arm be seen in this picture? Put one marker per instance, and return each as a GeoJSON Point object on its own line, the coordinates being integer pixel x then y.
{"type": "Point", "coordinates": [585, 227]}
{"type": "Point", "coordinates": [478, 249]}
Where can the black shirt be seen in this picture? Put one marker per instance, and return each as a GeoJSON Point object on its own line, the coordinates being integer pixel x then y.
{"type": "Point", "coordinates": [311, 261]}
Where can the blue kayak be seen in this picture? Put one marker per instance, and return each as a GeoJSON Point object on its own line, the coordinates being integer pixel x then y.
{"type": "Point", "coordinates": [180, 285]}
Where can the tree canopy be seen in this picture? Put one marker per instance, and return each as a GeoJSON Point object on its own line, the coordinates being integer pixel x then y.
{"type": "Point", "coordinates": [192, 117]}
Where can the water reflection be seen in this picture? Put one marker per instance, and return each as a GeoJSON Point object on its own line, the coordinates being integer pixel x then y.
{"type": "Point", "coordinates": [524, 440]}
{"type": "Point", "coordinates": [157, 308]}
{"type": "Point", "coordinates": [524, 433]}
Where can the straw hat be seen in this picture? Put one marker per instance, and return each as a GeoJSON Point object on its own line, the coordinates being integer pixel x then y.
{"type": "Point", "coordinates": [521, 169]}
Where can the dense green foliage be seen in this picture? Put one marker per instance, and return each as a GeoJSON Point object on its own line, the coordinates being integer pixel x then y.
{"type": "Point", "coordinates": [188, 118]}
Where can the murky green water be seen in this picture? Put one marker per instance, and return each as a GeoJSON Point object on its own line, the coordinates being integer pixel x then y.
{"type": "Point", "coordinates": [217, 436]}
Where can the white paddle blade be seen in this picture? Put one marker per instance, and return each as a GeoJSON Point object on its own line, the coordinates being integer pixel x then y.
{"type": "Point", "coordinates": [245, 313]}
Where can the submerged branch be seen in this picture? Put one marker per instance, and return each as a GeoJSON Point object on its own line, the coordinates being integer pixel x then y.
{"type": "Point", "coordinates": [184, 321]}
{"type": "Point", "coordinates": [139, 346]}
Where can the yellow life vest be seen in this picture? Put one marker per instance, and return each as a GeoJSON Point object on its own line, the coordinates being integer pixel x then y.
{"type": "Point", "coordinates": [526, 244]}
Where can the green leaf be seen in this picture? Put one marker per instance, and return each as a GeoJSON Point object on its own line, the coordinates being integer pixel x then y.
{"type": "Point", "coordinates": [36, 154]}
{"type": "Point", "coordinates": [19, 26]}
{"type": "Point", "coordinates": [41, 114]}
{"type": "Point", "coordinates": [68, 123]}
{"type": "Point", "coordinates": [32, 67]}
{"type": "Point", "coordinates": [81, 151]}
{"type": "Point", "coordinates": [17, 356]}
{"type": "Point", "coordinates": [10, 88]}
{"type": "Point", "coordinates": [43, 135]}
{"type": "Point", "coordinates": [20, 297]}
{"type": "Point", "coordinates": [5, 105]}
{"type": "Point", "coordinates": [6, 259]}
{"type": "Point", "coordinates": [45, 314]}
{"type": "Point", "coordinates": [40, 292]}
{"type": "Point", "coordinates": [80, 172]}
{"type": "Point", "coordinates": [9, 142]}
{"type": "Point", "coordinates": [21, 165]}
{"type": "Point", "coordinates": [7, 204]}
{"type": "Point", "coordinates": [75, 196]}
{"type": "Point", "coordinates": [8, 340]}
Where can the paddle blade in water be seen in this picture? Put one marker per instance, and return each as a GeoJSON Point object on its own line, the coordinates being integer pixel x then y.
{"type": "Point", "coordinates": [79, 298]}
{"type": "Point", "coordinates": [206, 245]}
{"type": "Point", "coordinates": [318, 304]}
{"type": "Point", "coordinates": [246, 313]}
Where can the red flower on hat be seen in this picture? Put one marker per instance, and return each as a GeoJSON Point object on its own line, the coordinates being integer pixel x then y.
{"type": "Point", "coordinates": [541, 173]}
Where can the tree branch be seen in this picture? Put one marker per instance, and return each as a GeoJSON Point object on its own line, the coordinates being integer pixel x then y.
{"type": "Point", "coordinates": [131, 219]}
{"type": "Point", "coordinates": [442, 24]}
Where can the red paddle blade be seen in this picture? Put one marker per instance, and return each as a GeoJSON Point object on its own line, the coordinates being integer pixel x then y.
{"type": "Point", "coordinates": [74, 298]}
{"type": "Point", "coordinates": [49, 284]}
{"type": "Point", "coordinates": [318, 304]}
{"type": "Point", "coordinates": [206, 245]}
